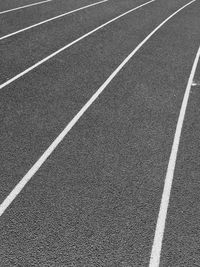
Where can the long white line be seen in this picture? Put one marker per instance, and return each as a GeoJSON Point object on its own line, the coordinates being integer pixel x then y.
{"type": "Point", "coordinates": [160, 227]}
{"type": "Point", "coordinates": [68, 45]}
{"type": "Point", "coordinates": [48, 20]}
{"type": "Point", "coordinates": [22, 7]}
{"type": "Point", "coordinates": [17, 189]}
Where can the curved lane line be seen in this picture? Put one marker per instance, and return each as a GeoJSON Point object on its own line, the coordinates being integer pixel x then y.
{"type": "Point", "coordinates": [18, 188]}
{"type": "Point", "coordinates": [160, 227]}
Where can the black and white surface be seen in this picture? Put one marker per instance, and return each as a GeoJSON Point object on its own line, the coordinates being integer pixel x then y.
{"type": "Point", "coordinates": [92, 198]}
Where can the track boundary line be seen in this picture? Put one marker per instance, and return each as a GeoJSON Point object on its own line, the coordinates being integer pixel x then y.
{"type": "Point", "coordinates": [70, 44]}
{"type": "Point", "coordinates": [21, 184]}
{"type": "Point", "coordinates": [160, 226]}
{"type": "Point", "coordinates": [50, 19]}
{"type": "Point", "coordinates": [22, 7]}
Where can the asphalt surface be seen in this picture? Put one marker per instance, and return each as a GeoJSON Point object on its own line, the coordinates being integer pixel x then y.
{"type": "Point", "coordinates": [96, 199]}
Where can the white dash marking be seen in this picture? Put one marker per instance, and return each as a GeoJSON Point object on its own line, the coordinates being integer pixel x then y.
{"type": "Point", "coordinates": [51, 19]}
{"type": "Point", "coordinates": [22, 7]}
{"type": "Point", "coordinates": [160, 227]}
{"type": "Point", "coordinates": [17, 189]}
{"type": "Point", "coordinates": [195, 83]}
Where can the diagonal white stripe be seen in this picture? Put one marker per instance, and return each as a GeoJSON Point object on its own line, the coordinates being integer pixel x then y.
{"type": "Point", "coordinates": [22, 7]}
{"type": "Point", "coordinates": [67, 46]}
{"type": "Point", "coordinates": [51, 19]}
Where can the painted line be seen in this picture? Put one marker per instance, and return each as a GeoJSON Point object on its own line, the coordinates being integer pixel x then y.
{"type": "Point", "coordinates": [68, 45]}
{"type": "Point", "coordinates": [48, 20]}
{"type": "Point", "coordinates": [22, 7]}
{"type": "Point", "coordinates": [17, 189]}
{"type": "Point", "coordinates": [160, 227]}
{"type": "Point", "coordinates": [195, 83]}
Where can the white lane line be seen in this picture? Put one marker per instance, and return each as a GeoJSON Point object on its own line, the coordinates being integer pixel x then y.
{"type": "Point", "coordinates": [67, 46]}
{"type": "Point", "coordinates": [160, 227]}
{"type": "Point", "coordinates": [48, 20]}
{"type": "Point", "coordinates": [22, 7]}
{"type": "Point", "coordinates": [17, 189]}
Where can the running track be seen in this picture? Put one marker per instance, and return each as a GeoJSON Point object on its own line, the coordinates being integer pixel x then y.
{"type": "Point", "coordinates": [100, 133]}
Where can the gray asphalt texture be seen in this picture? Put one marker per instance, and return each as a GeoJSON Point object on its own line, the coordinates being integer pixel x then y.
{"type": "Point", "coordinates": [95, 201]}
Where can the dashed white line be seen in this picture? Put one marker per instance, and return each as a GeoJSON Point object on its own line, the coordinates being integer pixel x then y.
{"type": "Point", "coordinates": [22, 7]}
{"type": "Point", "coordinates": [51, 19]}
{"type": "Point", "coordinates": [17, 189]}
{"type": "Point", "coordinates": [160, 227]}
{"type": "Point", "coordinates": [195, 83]}
{"type": "Point", "coordinates": [68, 45]}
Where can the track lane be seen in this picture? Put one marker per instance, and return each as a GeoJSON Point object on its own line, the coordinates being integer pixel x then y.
{"type": "Point", "coordinates": [11, 23]}
{"type": "Point", "coordinates": [100, 210]}
{"type": "Point", "coordinates": [181, 240]}
{"type": "Point", "coordinates": [60, 50]}
{"type": "Point", "coordinates": [31, 115]}
{"type": "Point", "coordinates": [161, 221]}
{"type": "Point", "coordinates": [8, 35]}
{"type": "Point", "coordinates": [75, 119]}
{"type": "Point", "coordinates": [29, 50]}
